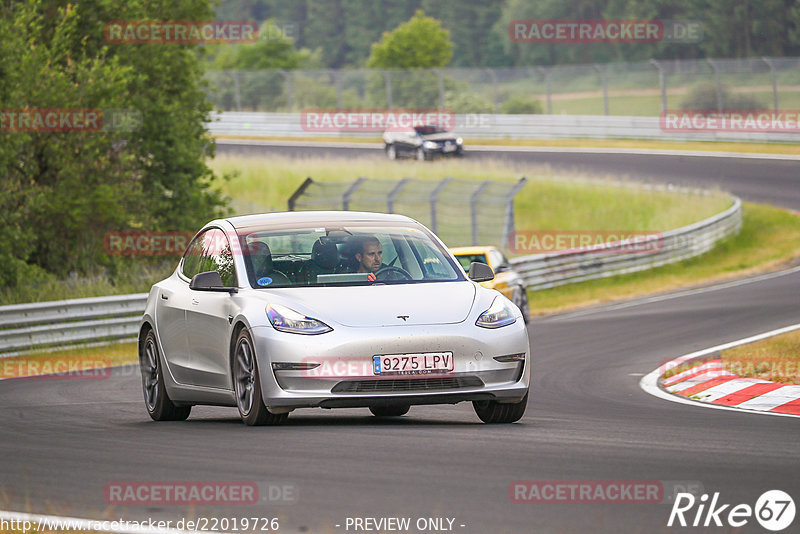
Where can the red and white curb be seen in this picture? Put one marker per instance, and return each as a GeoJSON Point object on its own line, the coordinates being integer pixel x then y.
{"type": "Point", "coordinates": [710, 384]}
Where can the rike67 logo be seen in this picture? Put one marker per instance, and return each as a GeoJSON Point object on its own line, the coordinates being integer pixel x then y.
{"type": "Point", "coordinates": [774, 510]}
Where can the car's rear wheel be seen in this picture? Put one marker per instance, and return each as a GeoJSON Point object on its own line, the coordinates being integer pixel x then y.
{"type": "Point", "coordinates": [247, 385]}
{"type": "Point", "coordinates": [389, 411]}
{"type": "Point", "coordinates": [391, 152]}
{"type": "Point", "coordinates": [493, 412]}
{"type": "Point", "coordinates": [159, 406]}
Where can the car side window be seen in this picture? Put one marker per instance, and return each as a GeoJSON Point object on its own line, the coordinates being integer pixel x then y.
{"type": "Point", "coordinates": [217, 256]}
{"type": "Point", "coordinates": [193, 256]}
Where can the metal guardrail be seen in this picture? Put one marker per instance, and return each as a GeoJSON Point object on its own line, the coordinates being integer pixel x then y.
{"type": "Point", "coordinates": [543, 271]}
{"type": "Point", "coordinates": [29, 326]}
{"type": "Point", "coordinates": [486, 126]}
{"type": "Point", "coordinates": [67, 322]}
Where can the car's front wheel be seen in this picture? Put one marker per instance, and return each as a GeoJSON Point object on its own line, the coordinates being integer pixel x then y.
{"type": "Point", "coordinates": [391, 151]}
{"type": "Point", "coordinates": [247, 385]}
{"type": "Point", "coordinates": [389, 411]}
{"type": "Point", "coordinates": [420, 154]}
{"type": "Point", "coordinates": [493, 412]}
{"type": "Point", "coordinates": [159, 406]}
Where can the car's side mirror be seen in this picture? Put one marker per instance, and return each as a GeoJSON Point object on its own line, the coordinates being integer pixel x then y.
{"type": "Point", "coordinates": [480, 272]}
{"type": "Point", "coordinates": [209, 281]}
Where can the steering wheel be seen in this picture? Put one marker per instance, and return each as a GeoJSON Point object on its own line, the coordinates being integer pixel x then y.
{"type": "Point", "coordinates": [392, 269]}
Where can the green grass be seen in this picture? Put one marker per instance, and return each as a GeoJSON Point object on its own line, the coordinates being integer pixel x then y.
{"type": "Point", "coordinates": [776, 359]}
{"type": "Point", "coordinates": [770, 237]}
{"type": "Point", "coordinates": [548, 201]}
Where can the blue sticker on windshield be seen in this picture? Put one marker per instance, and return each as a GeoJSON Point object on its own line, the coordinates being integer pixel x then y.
{"type": "Point", "coordinates": [264, 281]}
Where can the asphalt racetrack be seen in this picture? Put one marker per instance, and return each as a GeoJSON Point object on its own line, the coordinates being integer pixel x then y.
{"type": "Point", "coordinates": [63, 442]}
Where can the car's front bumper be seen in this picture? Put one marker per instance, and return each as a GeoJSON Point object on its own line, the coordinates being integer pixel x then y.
{"type": "Point", "coordinates": [344, 376]}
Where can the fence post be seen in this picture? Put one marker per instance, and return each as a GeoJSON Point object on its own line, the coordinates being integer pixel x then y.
{"type": "Point", "coordinates": [300, 190]}
{"type": "Point", "coordinates": [393, 194]}
{"type": "Point", "coordinates": [545, 72]}
{"type": "Point", "coordinates": [287, 77]}
{"type": "Point", "coordinates": [441, 87]}
{"type": "Point", "coordinates": [237, 95]}
{"type": "Point", "coordinates": [337, 80]}
{"type": "Point", "coordinates": [473, 209]}
{"type": "Point", "coordinates": [661, 83]}
{"type": "Point", "coordinates": [508, 227]}
{"type": "Point", "coordinates": [349, 193]}
{"type": "Point", "coordinates": [388, 77]}
{"type": "Point", "coordinates": [601, 69]}
{"type": "Point", "coordinates": [769, 62]}
{"type": "Point", "coordinates": [493, 75]}
{"type": "Point", "coordinates": [434, 197]}
{"type": "Point", "coordinates": [719, 83]}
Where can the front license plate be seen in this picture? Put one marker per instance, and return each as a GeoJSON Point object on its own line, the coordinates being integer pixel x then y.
{"type": "Point", "coordinates": [449, 148]}
{"type": "Point", "coordinates": [413, 364]}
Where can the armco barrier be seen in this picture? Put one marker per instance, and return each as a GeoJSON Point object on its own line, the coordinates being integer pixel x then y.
{"type": "Point", "coordinates": [29, 326]}
{"type": "Point", "coordinates": [262, 124]}
{"type": "Point", "coordinates": [542, 271]}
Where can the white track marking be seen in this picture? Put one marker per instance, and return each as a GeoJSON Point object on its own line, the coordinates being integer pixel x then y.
{"type": "Point", "coordinates": [649, 383]}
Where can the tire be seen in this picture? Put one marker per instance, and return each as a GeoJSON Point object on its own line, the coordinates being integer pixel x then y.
{"type": "Point", "coordinates": [391, 152]}
{"type": "Point", "coordinates": [492, 412]}
{"type": "Point", "coordinates": [247, 385]}
{"type": "Point", "coordinates": [521, 300]}
{"type": "Point", "coordinates": [389, 411]}
{"type": "Point", "coordinates": [420, 155]}
{"type": "Point", "coordinates": [156, 400]}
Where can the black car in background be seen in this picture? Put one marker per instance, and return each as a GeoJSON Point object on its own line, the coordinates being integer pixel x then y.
{"type": "Point", "coordinates": [422, 142]}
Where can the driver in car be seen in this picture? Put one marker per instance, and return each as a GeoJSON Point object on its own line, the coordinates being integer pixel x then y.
{"type": "Point", "coordinates": [370, 258]}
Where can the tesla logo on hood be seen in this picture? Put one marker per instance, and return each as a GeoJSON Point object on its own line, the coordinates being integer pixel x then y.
{"type": "Point", "coordinates": [403, 317]}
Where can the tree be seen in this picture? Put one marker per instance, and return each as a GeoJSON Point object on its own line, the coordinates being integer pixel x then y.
{"type": "Point", "coordinates": [419, 43]}
{"type": "Point", "coordinates": [63, 191]}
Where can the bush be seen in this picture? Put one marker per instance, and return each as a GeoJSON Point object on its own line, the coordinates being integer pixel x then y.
{"type": "Point", "coordinates": [466, 102]}
{"type": "Point", "coordinates": [521, 105]}
{"type": "Point", "coordinates": [704, 96]}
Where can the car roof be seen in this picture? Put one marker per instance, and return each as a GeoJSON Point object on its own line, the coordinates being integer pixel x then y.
{"type": "Point", "coordinates": [302, 218]}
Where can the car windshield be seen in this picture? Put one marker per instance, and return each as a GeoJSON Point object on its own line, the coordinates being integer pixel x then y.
{"type": "Point", "coordinates": [426, 130]}
{"type": "Point", "coordinates": [466, 259]}
{"type": "Point", "coordinates": [344, 255]}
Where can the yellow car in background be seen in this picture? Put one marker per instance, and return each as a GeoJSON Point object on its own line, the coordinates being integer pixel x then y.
{"type": "Point", "coordinates": [506, 280]}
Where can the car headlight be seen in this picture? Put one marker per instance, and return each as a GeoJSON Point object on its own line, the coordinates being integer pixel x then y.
{"type": "Point", "coordinates": [499, 314]}
{"type": "Point", "coordinates": [430, 145]}
{"type": "Point", "coordinates": [286, 319]}
{"type": "Point", "coordinates": [459, 141]}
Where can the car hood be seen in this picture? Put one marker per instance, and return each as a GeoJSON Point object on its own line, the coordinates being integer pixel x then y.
{"type": "Point", "coordinates": [381, 305]}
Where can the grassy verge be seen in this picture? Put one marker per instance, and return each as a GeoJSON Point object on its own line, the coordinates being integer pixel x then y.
{"type": "Point", "coordinates": [699, 146]}
{"type": "Point", "coordinates": [71, 362]}
{"type": "Point", "coordinates": [547, 202]}
{"type": "Point", "coordinates": [776, 359]}
{"type": "Point", "coordinates": [769, 238]}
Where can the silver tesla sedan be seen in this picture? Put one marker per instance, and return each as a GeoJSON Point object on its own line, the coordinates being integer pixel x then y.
{"type": "Point", "coordinates": [273, 312]}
